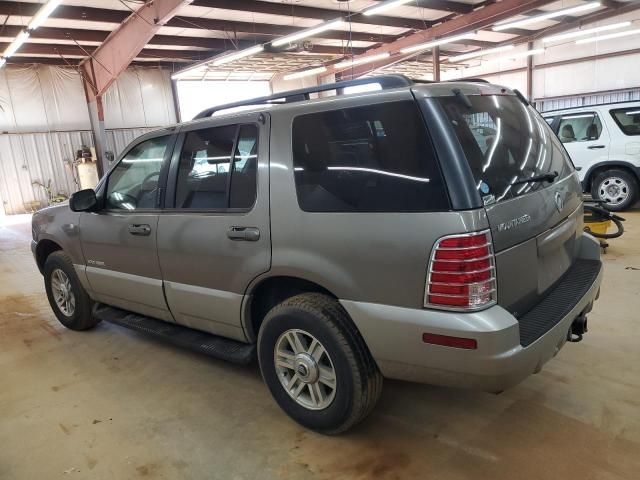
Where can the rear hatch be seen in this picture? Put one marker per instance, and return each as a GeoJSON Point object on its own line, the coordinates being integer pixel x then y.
{"type": "Point", "coordinates": [535, 221]}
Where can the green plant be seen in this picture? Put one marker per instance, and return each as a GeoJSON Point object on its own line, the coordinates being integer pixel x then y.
{"type": "Point", "coordinates": [52, 198]}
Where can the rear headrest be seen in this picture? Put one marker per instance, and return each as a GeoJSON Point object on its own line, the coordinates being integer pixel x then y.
{"type": "Point", "coordinates": [567, 132]}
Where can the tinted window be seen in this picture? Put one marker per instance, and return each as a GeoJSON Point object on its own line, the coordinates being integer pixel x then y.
{"type": "Point", "coordinates": [209, 177]}
{"type": "Point", "coordinates": [245, 166]}
{"type": "Point", "coordinates": [203, 173]}
{"type": "Point", "coordinates": [579, 127]}
{"type": "Point", "coordinates": [505, 143]}
{"type": "Point", "coordinates": [133, 183]}
{"type": "Point", "coordinates": [376, 158]}
{"type": "Point", "coordinates": [628, 119]}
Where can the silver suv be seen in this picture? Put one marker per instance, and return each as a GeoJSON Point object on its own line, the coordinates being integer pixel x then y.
{"type": "Point", "coordinates": [426, 232]}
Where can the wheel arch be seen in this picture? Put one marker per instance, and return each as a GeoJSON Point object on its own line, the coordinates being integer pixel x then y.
{"type": "Point", "coordinates": [603, 166]}
{"type": "Point", "coordinates": [269, 291]}
{"type": "Point", "coordinates": [44, 248]}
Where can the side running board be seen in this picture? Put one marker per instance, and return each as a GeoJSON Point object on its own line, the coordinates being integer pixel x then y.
{"type": "Point", "coordinates": [212, 345]}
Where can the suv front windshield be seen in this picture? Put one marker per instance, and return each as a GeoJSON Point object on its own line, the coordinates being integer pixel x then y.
{"type": "Point", "coordinates": [506, 143]}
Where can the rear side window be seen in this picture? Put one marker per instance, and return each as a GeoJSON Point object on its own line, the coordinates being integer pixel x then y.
{"type": "Point", "coordinates": [628, 119]}
{"type": "Point", "coordinates": [506, 143]}
{"type": "Point", "coordinates": [376, 158]}
{"type": "Point", "coordinates": [212, 174]}
{"type": "Point", "coordinates": [579, 127]}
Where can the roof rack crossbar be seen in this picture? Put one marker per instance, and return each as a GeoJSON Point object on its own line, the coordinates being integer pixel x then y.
{"type": "Point", "coordinates": [291, 96]}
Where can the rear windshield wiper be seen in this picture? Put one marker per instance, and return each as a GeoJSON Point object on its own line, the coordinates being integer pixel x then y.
{"type": "Point", "coordinates": [545, 177]}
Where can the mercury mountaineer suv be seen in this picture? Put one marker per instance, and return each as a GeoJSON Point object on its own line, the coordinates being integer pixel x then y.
{"type": "Point", "coordinates": [429, 232]}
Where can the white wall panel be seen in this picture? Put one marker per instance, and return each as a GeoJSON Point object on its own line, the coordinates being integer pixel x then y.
{"type": "Point", "coordinates": [44, 156]}
{"type": "Point", "coordinates": [44, 120]}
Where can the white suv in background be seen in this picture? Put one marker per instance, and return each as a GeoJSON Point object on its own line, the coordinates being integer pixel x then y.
{"type": "Point", "coordinates": [604, 144]}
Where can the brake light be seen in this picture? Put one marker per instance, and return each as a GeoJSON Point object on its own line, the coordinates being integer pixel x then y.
{"type": "Point", "coordinates": [462, 274]}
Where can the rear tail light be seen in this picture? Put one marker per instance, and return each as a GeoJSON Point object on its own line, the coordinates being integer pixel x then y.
{"type": "Point", "coordinates": [462, 273]}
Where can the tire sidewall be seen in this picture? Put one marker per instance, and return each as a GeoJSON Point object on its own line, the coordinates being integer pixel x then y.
{"type": "Point", "coordinates": [82, 308]}
{"type": "Point", "coordinates": [631, 182]}
{"type": "Point", "coordinates": [339, 410]}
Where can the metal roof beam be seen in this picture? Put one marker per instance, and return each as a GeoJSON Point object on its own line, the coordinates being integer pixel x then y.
{"type": "Point", "coordinates": [476, 20]}
{"type": "Point", "coordinates": [232, 27]}
{"type": "Point", "coordinates": [125, 43]}
{"type": "Point", "coordinates": [295, 10]}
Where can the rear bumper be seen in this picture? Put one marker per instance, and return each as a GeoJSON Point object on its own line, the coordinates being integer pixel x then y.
{"type": "Point", "coordinates": [394, 337]}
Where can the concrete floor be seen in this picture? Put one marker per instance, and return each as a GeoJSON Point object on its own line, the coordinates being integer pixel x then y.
{"type": "Point", "coordinates": [114, 404]}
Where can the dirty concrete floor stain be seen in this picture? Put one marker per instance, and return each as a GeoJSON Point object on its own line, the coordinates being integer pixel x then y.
{"type": "Point", "coordinates": [113, 404]}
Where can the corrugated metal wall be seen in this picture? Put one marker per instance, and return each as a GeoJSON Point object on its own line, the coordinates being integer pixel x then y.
{"type": "Point", "coordinates": [545, 105]}
{"type": "Point", "coordinates": [44, 119]}
{"type": "Point", "coordinates": [39, 157]}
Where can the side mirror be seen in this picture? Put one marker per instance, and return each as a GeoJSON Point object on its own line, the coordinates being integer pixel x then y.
{"type": "Point", "coordinates": [83, 201]}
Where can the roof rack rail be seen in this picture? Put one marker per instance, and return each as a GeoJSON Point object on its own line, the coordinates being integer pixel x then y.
{"type": "Point", "coordinates": [472, 80]}
{"type": "Point", "coordinates": [291, 96]}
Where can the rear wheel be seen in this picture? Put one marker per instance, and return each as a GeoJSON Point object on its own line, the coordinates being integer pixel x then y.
{"type": "Point", "coordinates": [617, 188]}
{"type": "Point", "coordinates": [68, 299]}
{"type": "Point", "coordinates": [316, 365]}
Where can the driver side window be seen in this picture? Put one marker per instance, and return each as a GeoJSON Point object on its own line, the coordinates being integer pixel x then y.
{"type": "Point", "coordinates": [133, 184]}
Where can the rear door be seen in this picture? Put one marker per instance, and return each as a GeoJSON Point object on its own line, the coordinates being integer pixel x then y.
{"type": "Point", "coordinates": [585, 137]}
{"type": "Point", "coordinates": [534, 222]}
{"type": "Point", "coordinates": [213, 237]}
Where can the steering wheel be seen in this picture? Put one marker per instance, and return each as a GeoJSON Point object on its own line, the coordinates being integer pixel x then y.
{"type": "Point", "coordinates": [146, 179]}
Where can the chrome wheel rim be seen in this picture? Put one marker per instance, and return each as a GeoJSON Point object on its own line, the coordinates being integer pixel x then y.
{"type": "Point", "coordinates": [305, 369]}
{"type": "Point", "coordinates": [613, 190]}
{"type": "Point", "coordinates": [63, 292]}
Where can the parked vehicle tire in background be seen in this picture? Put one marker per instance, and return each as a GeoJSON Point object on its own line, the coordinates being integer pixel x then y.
{"type": "Point", "coordinates": [316, 365]}
{"type": "Point", "coordinates": [68, 299]}
{"type": "Point", "coordinates": [617, 188]}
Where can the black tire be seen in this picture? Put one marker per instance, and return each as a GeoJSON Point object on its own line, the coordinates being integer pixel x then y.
{"type": "Point", "coordinates": [600, 180]}
{"type": "Point", "coordinates": [81, 317]}
{"type": "Point", "coordinates": [358, 380]}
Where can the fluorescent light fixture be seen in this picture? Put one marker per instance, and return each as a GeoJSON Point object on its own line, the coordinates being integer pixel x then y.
{"type": "Point", "coordinates": [582, 33]}
{"type": "Point", "coordinates": [626, 33]}
{"type": "Point", "coordinates": [309, 32]}
{"type": "Point", "coordinates": [635, 112]}
{"type": "Point", "coordinates": [435, 43]}
{"type": "Point", "coordinates": [515, 56]}
{"type": "Point", "coordinates": [16, 44]}
{"type": "Point", "coordinates": [247, 52]}
{"type": "Point", "coordinates": [305, 73]}
{"type": "Point", "coordinates": [2, 61]}
{"type": "Point", "coordinates": [42, 14]}
{"type": "Point", "coordinates": [359, 61]}
{"type": "Point", "coordinates": [546, 16]}
{"type": "Point", "coordinates": [480, 53]}
{"type": "Point", "coordinates": [384, 6]}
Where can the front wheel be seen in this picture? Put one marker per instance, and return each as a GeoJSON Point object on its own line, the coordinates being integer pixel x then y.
{"type": "Point", "coordinates": [68, 299]}
{"type": "Point", "coordinates": [316, 365]}
{"type": "Point", "coordinates": [616, 188]}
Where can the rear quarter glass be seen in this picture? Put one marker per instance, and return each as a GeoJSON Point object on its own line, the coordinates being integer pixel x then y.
{"type": "Point", "coordinates": [374, 158]}
{"type": "Point", "coordinates": [505, 142]}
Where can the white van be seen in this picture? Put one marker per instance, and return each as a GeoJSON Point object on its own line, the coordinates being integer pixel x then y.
{"type": "Point", "coordinates": [604, 144]}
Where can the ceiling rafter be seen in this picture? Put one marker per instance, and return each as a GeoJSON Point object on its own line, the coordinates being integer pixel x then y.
{"type": "Point", "coordinates": [296, 10]}
{"type": "Point", "coordinates": [212, 44]}
{"type": "Point", "coordinates": [67, 12]}
{"type": "Point", "coordinates": [476, 20]}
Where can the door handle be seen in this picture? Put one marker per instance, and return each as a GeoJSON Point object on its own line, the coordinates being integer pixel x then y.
{"type": "Point", "coordinates": [140, 229]}
{"type": "Point", "coordinates": [248, 234]}
{"type": "Point", "coordinates": [596, 147]}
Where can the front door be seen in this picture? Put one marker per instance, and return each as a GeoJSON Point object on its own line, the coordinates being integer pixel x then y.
{"type": "Point", "coordinates": [119, 241]}
{"type": "Point", "coordinates": [214, 238]}
{"type": "Point", "coordinates": [586, 139]}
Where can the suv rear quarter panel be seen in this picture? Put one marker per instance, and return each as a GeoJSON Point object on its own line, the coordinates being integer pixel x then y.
{"type": "Point", "coordinates": [368, 257]}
